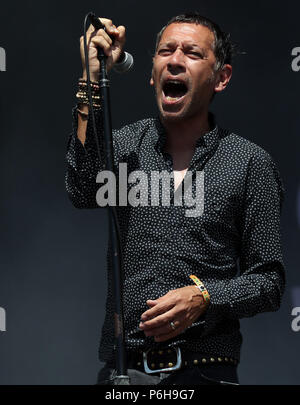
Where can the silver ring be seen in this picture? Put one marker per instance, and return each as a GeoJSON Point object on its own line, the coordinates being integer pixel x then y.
{"type": "Point", "coordinates": [172, 324]}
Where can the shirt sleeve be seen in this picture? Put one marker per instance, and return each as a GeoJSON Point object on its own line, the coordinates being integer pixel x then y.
{"type": "Point", "coordinates": [83, 162]}
{"type": "Point", "coordinates": [261, 281]}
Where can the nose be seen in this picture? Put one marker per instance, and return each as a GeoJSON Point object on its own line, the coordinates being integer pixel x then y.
{"type": "Point", "coordinates": [176, 62]}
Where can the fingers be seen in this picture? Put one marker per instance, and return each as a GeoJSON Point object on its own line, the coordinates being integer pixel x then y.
{"type": "Point", "coordinates": [156, 310]}
{"type": "Point", "coordinates": [108, 24]}
{"type": "Point", "coordinates": [170, 335]}
{"type": "Point", "coordinates": [103, 41]}
{"type": "Point", "coordinates": [110, 38]}
{"type": "Point", "coordinates": [102, 34]}
{"type": "Point", "coordinates": [164, 318]}
{"type": "Point", "coordinates": [102, 37]}
{"type": "Point", "coordinates": [160, 305]}
{"type": "Point", "coordinates": [166, 332]}
{"type": "Point", "coordinates": [110, 30]}
{"type": "Point", "coordinates": [121, 36]}
{"type": "Point", "coordinates": [159, 318]}
{"type": "Point", "coordinates": [181, 306]}
{"type": "Point", "coordinates": [163, 327]}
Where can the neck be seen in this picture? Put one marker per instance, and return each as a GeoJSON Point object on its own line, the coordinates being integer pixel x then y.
{"type": "Point", "coordinates": [183, 134]}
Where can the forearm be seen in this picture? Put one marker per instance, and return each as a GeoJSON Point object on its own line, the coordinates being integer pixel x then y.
{"type": "Point", "coordinates": [83, 162]}
{"type": "Point", "coordinates": [245, 296]}
{"type": "Point", "coordinates": [82, 122]}
{"type": "Point", "coordinates": [248, 295]}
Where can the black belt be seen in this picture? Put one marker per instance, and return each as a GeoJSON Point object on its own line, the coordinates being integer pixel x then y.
{"type": "Point", "coordinates": [172, 359]}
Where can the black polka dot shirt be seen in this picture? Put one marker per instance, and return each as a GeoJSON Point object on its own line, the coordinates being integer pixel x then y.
{"type": "Point", "coordinates": [234, 247]}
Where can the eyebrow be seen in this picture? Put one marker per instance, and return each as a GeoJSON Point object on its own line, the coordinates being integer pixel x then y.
{"type": "Point", "coordinates": [192, 45]}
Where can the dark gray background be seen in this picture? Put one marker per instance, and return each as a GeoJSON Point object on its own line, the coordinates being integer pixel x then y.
{"type": "Point", "coordinates": [52, 280]}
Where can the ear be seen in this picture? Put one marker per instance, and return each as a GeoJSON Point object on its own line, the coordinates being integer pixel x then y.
{"type": "Point", "coordinates": [152, 73]}
{"type": "Point", "coordinates": [152, 80]}
{"type": "Point", "coordinates": [222, 78]}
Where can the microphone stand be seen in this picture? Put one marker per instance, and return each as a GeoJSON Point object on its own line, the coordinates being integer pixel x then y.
{"type": "Point", "coordinates": [121, 377]}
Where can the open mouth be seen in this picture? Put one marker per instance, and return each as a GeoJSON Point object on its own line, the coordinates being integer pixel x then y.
{"type": "Point", "coordinates": [174, 91]}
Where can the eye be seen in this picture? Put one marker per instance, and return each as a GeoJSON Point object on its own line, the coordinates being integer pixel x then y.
{"type": "Point", "coordinates": [195, 54]}
{"type": "Point", "coordinates": [164, 51]}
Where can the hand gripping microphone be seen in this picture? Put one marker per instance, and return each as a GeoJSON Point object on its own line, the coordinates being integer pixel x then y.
{"type": "Point", "coordinates": [125, 62]}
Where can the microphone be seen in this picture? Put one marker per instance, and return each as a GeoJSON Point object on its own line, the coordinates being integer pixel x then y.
{"type": "Point", "coordinates": [125, 61]}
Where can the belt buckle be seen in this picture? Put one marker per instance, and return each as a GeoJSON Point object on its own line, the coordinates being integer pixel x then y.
{"type": "Point", "coordinates": [163, 370]}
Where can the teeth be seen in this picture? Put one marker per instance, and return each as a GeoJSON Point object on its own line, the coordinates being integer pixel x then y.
{"type": "Point", "coordinates": [169, 98]}
{"type": "Point", "coordinates": [174, 81]}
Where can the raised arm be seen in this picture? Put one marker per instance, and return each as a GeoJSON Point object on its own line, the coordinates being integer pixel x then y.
{"type": "Point", "coordinates": [83, 162]}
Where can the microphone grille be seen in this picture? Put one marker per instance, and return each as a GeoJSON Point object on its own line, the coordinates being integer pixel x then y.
{"type": "Point", "coordinates": [125, 65]}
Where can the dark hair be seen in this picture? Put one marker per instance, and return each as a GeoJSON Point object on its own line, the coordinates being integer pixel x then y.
{"type": "Point", "coordinates": [224, 48]}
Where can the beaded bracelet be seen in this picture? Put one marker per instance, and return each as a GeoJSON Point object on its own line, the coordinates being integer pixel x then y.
{"type": "Point", "coordinates": [201, 287]}
{"type": "Point", "coordinates": [82, 94]}
{"type": "Point", "coordinates": [83, 83]}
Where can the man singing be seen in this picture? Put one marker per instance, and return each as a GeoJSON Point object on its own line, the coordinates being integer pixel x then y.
{"type": "Point", "coordinates": [181, 329]}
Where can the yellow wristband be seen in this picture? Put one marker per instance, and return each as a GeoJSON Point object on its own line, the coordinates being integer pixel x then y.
{"type": "Point", "coordinates": [201, 287]}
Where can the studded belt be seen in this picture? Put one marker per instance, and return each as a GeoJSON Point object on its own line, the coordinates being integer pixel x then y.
{"type": "Point", "coordinates": [172, 359]}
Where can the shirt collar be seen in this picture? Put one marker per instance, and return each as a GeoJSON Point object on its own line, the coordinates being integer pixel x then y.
{"type": "Point", "coordinates": [205, 144]}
